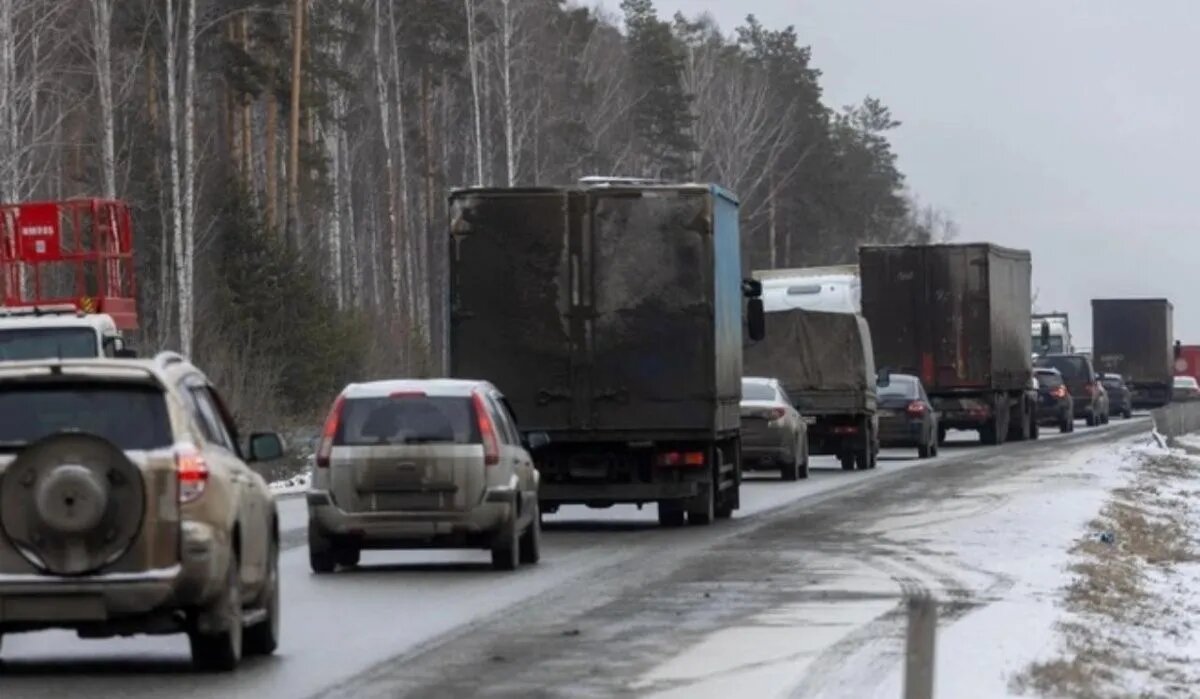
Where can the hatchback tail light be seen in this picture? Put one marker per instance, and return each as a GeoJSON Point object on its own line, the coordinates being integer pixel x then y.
{"type": "Point", "coordinates": [487, 432]}
{"type": "Point", "coordinates": [329, 431]}
{"type": "Point", "coordinates": [773, 414]}
{"type": "Point", "coordinates": [916, 408]}
{"type": "Point", "coordinates": [192, 473]}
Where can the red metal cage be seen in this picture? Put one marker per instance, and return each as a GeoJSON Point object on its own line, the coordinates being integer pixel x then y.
{"type": "Point", "coordinates": [77, 252]}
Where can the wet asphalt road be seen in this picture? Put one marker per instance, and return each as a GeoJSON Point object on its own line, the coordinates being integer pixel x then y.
{"type": "Point", "coordinates": [613, 596]}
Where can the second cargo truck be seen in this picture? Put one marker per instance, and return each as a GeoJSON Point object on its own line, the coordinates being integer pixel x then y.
{"type": "Point", "coordinates": [957, 316]}
{"type": "Point", "coordinates": [1136, 339]}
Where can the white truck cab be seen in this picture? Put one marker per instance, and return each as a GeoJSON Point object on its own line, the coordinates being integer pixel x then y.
{"type": "Point", "coordinates": [834, 289]}
{"type": "Point", "coordinates": [48, 332]}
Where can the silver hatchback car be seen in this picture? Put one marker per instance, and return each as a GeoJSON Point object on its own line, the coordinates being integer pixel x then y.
{"type": "Point", "coordinates": [422, 464]}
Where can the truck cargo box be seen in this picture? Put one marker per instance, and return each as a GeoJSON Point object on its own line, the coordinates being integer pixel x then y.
{"type": "Point", "coordinates": [1135, 338]}
{"type": "Point", "coordinates": [601, 309]}
{"type": "Point", "coordinates": [823, 360]}
{"type": "Point", "coordinates": [957, 315]}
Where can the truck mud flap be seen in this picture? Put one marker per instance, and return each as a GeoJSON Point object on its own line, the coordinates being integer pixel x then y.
{"type": "Point", "coordinates": [565, 493]}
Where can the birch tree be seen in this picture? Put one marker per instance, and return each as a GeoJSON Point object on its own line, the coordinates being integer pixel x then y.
{"type": "Point", "coordinates": [102, 47]}
{"type": "Point", "coordinates": [473, 66]}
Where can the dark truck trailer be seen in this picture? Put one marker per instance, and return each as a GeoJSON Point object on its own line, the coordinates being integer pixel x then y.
{"type": "Point", "coordinates": [1136, 339]}
{"type": "Point", "coordinates": [825, 363]}
{"type": "Point", "coordinates": [611, 317]}
{"type": "Point", "coordinates": [958, 317]}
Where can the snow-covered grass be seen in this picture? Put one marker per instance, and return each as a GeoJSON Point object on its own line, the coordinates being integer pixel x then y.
{"type": "Point", "coordinates": [1130, 608]}
{"type": "Point", "coordinates": [290, 486]}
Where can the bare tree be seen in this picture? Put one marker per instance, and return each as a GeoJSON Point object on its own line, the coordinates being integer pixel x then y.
{"type": "Point", "coordinates": [294, 127]}
{"type": "Point", "coordinates": [473, 65]}
{"type": "Point", "coordinates": [102, 48]}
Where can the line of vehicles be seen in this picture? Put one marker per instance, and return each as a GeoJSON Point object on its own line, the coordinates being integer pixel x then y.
{"type": "Point", "coordinates": [605, 347]}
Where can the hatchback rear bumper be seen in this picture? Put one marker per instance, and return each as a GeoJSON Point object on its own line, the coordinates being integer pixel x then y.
{"type": "Point", "coordinates": [407, 529]}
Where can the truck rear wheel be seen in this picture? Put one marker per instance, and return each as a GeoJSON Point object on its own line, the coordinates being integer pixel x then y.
{"type": "Point", "coordinates": [670, 513]}
{"type": "Point", "coordinates": [847, 460]}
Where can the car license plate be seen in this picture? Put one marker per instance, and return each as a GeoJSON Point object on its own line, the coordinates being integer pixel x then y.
{"type": "Point", "coordinates": [53, 608]}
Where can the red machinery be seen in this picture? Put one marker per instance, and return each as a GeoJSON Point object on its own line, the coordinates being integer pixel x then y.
{"type": "Point", "coordinates": [77, 252]}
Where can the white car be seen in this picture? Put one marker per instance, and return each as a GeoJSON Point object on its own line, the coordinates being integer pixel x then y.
{"type": "Point", "coordinates": [1185, 388]}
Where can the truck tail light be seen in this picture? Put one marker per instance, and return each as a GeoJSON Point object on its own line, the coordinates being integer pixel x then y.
{"type": "Point", "coordinates": [845, 429]}
{"type": "Point", "coordinates": [191, 471]}
{"type": "Point", "coordinates": [670, 459]}
{"type": "Point", "coordinates": [916, 409]}
{"type": "Point", "coordinates": [487, 432]}
{"type": "Point", "coordinates": [329, 431]}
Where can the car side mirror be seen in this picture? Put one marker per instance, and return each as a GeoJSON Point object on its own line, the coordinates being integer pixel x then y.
{"type": "Point", "coordinates": [266, 446]}
{"type": "Point", "coordinates": [537, 440]}
{"type": "Point", "coordinates": [756, 319]}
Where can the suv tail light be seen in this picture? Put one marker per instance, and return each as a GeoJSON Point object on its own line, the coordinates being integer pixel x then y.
{"type": "Point", "coordinates": [487, 432]}
{"type": "Point", "coordinates": [332, 422]}
{"type": "Point", "coordinates": [773, 414]}
{"type": "Point", "coordinates": [916, 408]}
{"type": "Point", "coordinates": [191, 471]}
{"type": "Point", "coordinates": [1059, 392]}
{"type": "Point", "coordinates": [1090, 388]}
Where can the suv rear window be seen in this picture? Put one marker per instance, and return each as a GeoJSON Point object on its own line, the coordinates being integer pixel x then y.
{"type": "Point", "coordinates": [130, 416]}
{"type": "Point", "coordinates": [47, 343]}
{"type": "Point", "coordinates": [414, 419]}
{"type": "Point", "coordinates": [1069, 367]}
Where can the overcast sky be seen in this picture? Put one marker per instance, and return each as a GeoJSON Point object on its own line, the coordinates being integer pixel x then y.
{"type": "Point", "coordinates": [1066, 127]}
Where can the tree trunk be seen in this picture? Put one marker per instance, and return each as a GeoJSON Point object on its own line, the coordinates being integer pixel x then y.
{"type": "Point", "coordinates": [506, 33]}
{"type": "Point", "coordinates": [272, 165]}
{"type": "Point", "coordinates": [247, 149]}
{"type": "Point", "coordinates": [385, 118]}
{"type": "Point", "coordinates": [473, 62]}
{"type": "Point", "coordinates": [186, 294]}
{"type": "Point", "coordinates": [410, 267]}
{"type": "Point", "coordinates": [102, 40]}
{"type": "Point", "coordinates": [172, 48]}
{"type": "Point", "coordinates": [293, 173]}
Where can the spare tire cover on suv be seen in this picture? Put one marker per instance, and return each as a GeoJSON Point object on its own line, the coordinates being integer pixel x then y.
{"type": "Point", "coordinates": [71, 503]}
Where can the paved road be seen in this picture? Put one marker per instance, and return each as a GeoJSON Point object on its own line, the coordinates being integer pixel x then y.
{"type": "Point", "coordinates": [409, 620]}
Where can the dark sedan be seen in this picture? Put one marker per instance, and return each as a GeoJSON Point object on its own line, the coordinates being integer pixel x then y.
{"type": "Point", "coordinates": [906, 417]}
{"type": "Point", "coordinates": [1120, 398]}
{"type": "Point", "coordinates": [1055, 404]}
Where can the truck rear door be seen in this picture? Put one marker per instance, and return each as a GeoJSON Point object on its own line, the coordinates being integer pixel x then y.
{"type": "Point", "coordinates": [651, 289]}
{"type": "Point", "coordinates": [512, 288]}
{"type": "Point", "coordinates": [957, 319]}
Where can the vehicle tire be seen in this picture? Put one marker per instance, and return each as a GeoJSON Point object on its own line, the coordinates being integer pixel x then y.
{"type": "Point", "coordinates": [935, 448]}
{"type": "Point", "coordinates": [1092, 419]}
{"type": "Point", "coordinates": [924, 451]}
{"type": "Point", "coordinates": [727, 503]}
{"type": "Point", "coordinates": [942, 431]}
{"type": "Point", "coordinates": [531, 540]}
{"type": "Point", "coordinates": [705, 515]}
{"type": "Point", "coordinates": [1128, 414]}
{"type": "Point", "coordinates": [221, 651]}
{"type": "Point", "coordinates": [790, 471]}
{"type": "Point", "coordinates": [988, 434]}
{"type": "Point", "coordinates": [804, 464]}
{"type": "Point", "coordinates": [670, 513]}
{"type": "Point", "coordinates": [263, 637]}
{"type": "Point", "coordinates": [1035, 430]}
{"type": "Point", "coordinates": [506, 547]}
{"type": "Point", "coordinates": [321, 555]}
{"type": "Point", "coordinates": [847, 460]}
{"type": "Point", "coordinates": [347, 556]}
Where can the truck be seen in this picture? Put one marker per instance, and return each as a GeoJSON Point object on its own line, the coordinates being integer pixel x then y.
{"type": "Point", "coordinates": [610, 313]}
{"type": "Point", "coordinates": [1188, 362]}
{"type": "Point", "coordinates": [1135, 337]}
{"type": "Point", "coordinates": [1052, 333]}
{"type": "Point", "coordinates": [957, 316]}
{"type": "Point", "coordinates": [834, 288]}
{"type": "Point", "coordinates": [66, 279]}
{"type": "Point", "coordinates": [825, 363]}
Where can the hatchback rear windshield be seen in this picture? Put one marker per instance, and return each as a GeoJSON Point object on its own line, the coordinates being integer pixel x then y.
{"type": "Point", "coordinates": [47, 343]}
{"type": "Point", "coordinates": [129, 416]}
{"type": "Point", "coordinates": [1048, 380]}
{"type": "Point", "coordinates": [409, 419]}
{"type": "Point", "coordinates": [1069, 367]}
{"type": "Point", "coordinates": [752, 390]}
{"type": "Point", "coordinates": [1112, 383]}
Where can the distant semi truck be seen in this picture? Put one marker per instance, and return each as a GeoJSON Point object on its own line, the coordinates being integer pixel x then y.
{"type": "Point", "coordinates": [1136, 339]}
{"type": "Point", "coordinates": [836, 289]}
{"type": "Point", "coordinates": [610, 314]}
{"type": "Point", "coordinates": [1052, 333]}
{"type": "Point", "coordinates": [957, 316]}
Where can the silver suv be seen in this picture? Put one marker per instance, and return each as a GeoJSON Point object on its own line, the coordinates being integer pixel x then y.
{"type": "Point", "coordinates": [422, 464]}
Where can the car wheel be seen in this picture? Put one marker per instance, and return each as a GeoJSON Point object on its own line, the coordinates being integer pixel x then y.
{"type": "Point", "coordinates": [321, 556]}
{"type": "Point", "coordinates": [1092, 420]}
{"type": "Point", "coordinates": [531, 540]}
{"type": "Point", "coordinates": [1035, 430]}
{"type": "Point", "coordinates": [221, 651]}
{"type": "Point", "coordinates": [1066, 424]}
{"type": "Point", "coordinates": [348, 556]}
{"type": "Point", "coordinates": [790, 471]}
{"type": "Point", "coordinates": [1128, 414]}
{"type": "Point", "coordinates": [804, 465]}
{"type": "Point", "coordinates": [942, 431]}
{"type": "Point", "coordinates": [263, 637]}
{"type": "Point", "coordinates": [924, 451]}
{"type": "Point", "coordinates": [506, 548]}
{"type": "Point", "coordinates": [670, 513]}
{"type": "Point", "coordinates": [847, 460]}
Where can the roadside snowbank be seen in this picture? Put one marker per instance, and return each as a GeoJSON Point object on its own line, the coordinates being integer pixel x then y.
{"type": "Point", "coordinates": [295, 484]}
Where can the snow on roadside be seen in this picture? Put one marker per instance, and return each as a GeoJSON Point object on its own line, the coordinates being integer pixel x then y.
{"type": "Point", "coordinates": [1132, 603]}
{"type": "Point", "coordinates": [1020, 555]}
{"type": "Point", "coordinates": [296, 484]}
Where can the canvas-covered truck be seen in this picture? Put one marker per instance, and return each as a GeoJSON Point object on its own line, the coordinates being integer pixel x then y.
{"type": "Point", "coordinates": [66, 279]}
{"type": "Point", "coordinates": [957, 316]}
{"type": "Point", "coordinates": [826, 365]}
{"type": "Point", "coordinates": [1136, 339]}
{"type": "Point", "coordinates": [610, 313]}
